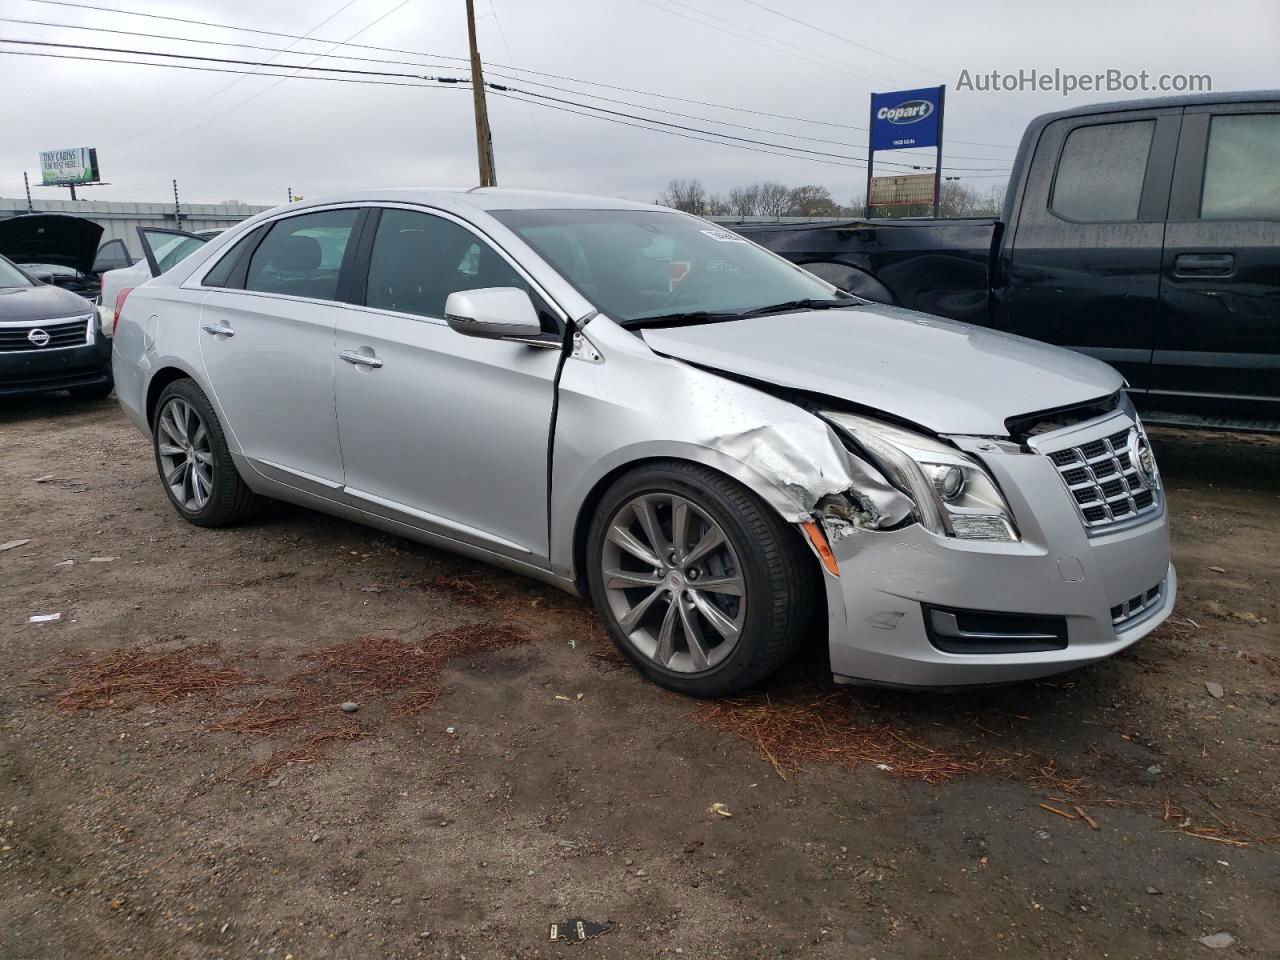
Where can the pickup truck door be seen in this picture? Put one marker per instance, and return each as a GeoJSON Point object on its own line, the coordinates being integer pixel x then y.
{"type": "Point", "coordinates": [1217, 346]}
{"type": "Point", "coordinates": [1082, 268]}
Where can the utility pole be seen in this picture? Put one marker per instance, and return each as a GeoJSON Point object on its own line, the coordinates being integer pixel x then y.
{"type": "Point", "coordinates": [177, 209]}
{"type": "Point", "coordinates": [484, 138]}
{"type": "Point", "coordinates": [27, 183]}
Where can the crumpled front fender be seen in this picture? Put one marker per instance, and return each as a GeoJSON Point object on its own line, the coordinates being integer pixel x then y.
{"type": "Point", "coordinates": [637, 406]}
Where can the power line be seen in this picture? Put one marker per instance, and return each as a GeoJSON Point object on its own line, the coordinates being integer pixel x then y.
{"type": "Point", "coordinates": [463, 60]}
{"type": "Point", "coordinates": [215, 43]}
{"type": "Point", "coordinates": [203, 100]}
{"type": "Point", "coordinates": [854, 43]}
{"type": "Point", "coordinates": [769, 43]}
{"type": "Point", "coordinates": [594, 96]}
{"type": "Point", "coordinates": [496, 87]}
{"type": "Point", "coordinates": [271, 86]}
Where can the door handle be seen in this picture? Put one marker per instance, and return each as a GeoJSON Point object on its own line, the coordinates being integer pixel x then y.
{"type": "Point", "coordinates": [217, 330]}
{"type": "Point", "coordinates": [1204, 265]}
{"type": "Point", "coordinates": [360, 359]}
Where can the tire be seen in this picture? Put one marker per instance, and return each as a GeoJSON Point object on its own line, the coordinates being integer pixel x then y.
{"type": "Point", "coordinates": [736, 640]}
{"type": "Point", "coordinates": [99, 391]}
{"type": "Point", "coordinates": [200, 478]}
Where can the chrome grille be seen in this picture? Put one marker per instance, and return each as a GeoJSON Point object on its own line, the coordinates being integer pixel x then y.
{"type": "Point", "coordinates": [1105, 483]}
{"type": "Point", "coordinates": [61, 333]}
{"type": "Point", "coordinates": [1122, 614]}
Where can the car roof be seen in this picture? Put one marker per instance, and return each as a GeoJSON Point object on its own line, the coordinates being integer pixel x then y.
{"type": "Point", "coordinates": [480, 198]}
{"type": "Point", "coordinates": [1158, 103]}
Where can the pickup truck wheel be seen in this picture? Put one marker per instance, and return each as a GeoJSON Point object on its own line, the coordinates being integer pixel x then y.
{"type": "Point", "coordinates": [195, 465]}
{"type": "Point", "coordinates": [700, 584]}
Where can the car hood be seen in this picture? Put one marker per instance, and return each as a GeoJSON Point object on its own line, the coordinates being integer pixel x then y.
{"type": "Point", "coordinates": [40, 303]}
{"type": "Point", "coordinates": [947, 376]}
{"type": "Point", "coordinates": [51, 238]}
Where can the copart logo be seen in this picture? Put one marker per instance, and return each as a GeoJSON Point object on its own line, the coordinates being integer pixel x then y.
{"type": "Point", "coordinates": [912, 111]}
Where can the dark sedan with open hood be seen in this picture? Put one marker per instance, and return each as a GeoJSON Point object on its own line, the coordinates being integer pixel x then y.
{"type": "Point", "coordinates": [49, 338]}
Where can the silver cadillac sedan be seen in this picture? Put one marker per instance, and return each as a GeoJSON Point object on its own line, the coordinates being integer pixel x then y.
{"type": "Point", "coordinates": [723, 452]}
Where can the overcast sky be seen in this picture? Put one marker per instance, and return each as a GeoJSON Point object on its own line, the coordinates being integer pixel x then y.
{"type": "Point", "coordinates": [151, 125]}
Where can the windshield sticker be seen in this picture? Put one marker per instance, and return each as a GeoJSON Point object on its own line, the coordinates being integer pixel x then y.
{"type": "Point", "coordinates": [724, 236]}
{"type": "Point", "coordinates": [677, 270]}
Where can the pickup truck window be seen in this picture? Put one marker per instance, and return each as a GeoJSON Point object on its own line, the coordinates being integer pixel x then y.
{"type": "Point", "coordinates": [1101, 170]}
{"type": "Point", "coordinates": [1242, 168]}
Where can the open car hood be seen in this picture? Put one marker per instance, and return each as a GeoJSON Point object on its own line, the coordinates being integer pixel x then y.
{"type": "Point", "coordinates": [51, 238]}
{"type": "Point", "coordinates": [946, 376]}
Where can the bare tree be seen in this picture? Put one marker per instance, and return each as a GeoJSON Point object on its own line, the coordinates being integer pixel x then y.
{"type": "Point", "coordinates": [774, 198]}
{"type": "Point", "coordinates": [687, 195]}
{"type": "Point", "coordinates": [811, 200]}
{"type": "Point", "coordinates": [745, 201]}
{"type": "Point", "coordinates": [718, 206]}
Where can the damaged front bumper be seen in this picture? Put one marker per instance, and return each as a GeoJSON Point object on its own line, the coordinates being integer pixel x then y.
{"type": "Point", "coordinates": [910, 608]}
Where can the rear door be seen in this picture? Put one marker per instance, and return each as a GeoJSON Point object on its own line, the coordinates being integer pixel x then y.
{"type": "Point", "coordinates": [1084, 266]}
{"type": "Point", "coordinates": [266, 338]}
{"type": "Point", "coordinates": [1217, 347]}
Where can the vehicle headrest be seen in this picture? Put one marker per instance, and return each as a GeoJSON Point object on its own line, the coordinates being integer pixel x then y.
{"type": "Point", "coordinates": [295, 252]}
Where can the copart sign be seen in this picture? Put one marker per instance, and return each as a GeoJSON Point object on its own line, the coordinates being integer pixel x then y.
{"type": "Point", "coordinates": [907, 118]}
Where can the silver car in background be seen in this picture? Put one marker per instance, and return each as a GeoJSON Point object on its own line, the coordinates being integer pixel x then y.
{"type": "Point", "coordinates": [722, 451]}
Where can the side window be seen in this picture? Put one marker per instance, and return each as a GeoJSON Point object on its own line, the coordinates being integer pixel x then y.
{"type": "Point", "coordinates": [419, 259]}
{"type": "Point", "coordinates": [1242, 168]}
{"type": "Point", "coordinates": [1101, 171]}
{"type": "Point", "coordinates": [300, 256]}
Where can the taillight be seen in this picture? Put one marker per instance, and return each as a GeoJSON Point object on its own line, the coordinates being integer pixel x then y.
{"type": "Point", "coordinates": [120, 299]}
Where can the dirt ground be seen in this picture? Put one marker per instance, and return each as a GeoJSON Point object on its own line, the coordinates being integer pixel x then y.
{"type": "Point", "coordinates": [177, 779]}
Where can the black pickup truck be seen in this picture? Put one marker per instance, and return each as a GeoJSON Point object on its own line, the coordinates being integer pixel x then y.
{"type": "Point", "coordinates": [1145, 233]}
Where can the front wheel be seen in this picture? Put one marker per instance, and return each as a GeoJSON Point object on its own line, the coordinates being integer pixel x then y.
{"type": "Point", "coordinates": [703, 587]}
{"type": "Point", "coordinates": [193, 459]}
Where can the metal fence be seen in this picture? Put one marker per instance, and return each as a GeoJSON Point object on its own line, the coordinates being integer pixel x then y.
{"type": "Point", "coordinates": [120, 220]}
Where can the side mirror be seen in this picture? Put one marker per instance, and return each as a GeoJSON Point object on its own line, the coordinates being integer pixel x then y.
{"type": "Point", "coordinates": [494, 313]}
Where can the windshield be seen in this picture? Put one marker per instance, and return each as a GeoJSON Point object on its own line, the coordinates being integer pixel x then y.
{"type": "Point", "coordinates": [643, 264]}
{"type": "Point", "coordinates": [11, 276]}
{"type": "Point", "coordinates": [170, 249]}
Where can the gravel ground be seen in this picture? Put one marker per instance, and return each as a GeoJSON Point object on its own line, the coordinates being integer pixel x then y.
{"type": "Point", "coordinates": [178, 780]}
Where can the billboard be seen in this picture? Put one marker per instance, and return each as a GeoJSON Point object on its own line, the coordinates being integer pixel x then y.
{"type": "Point", "coordinates": [916, 188]}
{"type": "Point", "coordinates": [65, 167]}
{"type": "Point", "coordinates": [905, 119]}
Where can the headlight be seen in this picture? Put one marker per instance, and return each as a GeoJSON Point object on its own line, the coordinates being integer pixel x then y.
{"type": "Point", "coordinates": [953, 494]}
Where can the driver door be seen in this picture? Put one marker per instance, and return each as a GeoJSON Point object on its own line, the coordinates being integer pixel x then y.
{"type": "Point", "coordinates": [438, 430]}
{"type": "Point", "coordinates": [165, 249]}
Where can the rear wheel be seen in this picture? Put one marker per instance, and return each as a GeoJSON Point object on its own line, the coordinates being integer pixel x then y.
{"type": "Point", "coordinates": [195, 465]}
{"type": "Point", "coordinates": [700, 584]}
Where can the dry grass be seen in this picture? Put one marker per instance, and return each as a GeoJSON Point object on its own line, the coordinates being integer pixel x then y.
{"type": "Point", "coordinates": [126, 678]}
{"type": "Point", "coordinates": [817, 729]}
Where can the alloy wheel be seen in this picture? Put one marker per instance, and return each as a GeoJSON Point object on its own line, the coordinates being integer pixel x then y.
{"type": "Point", "coordinates": [674, 582]}
{"type": "Point", "coordinates": [186, 454]}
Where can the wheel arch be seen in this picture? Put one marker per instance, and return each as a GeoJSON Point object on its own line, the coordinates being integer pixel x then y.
{"type": "Point", "coordinates": [164, 376]}
{"type": "Point", "coordinates": [743, 475]}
